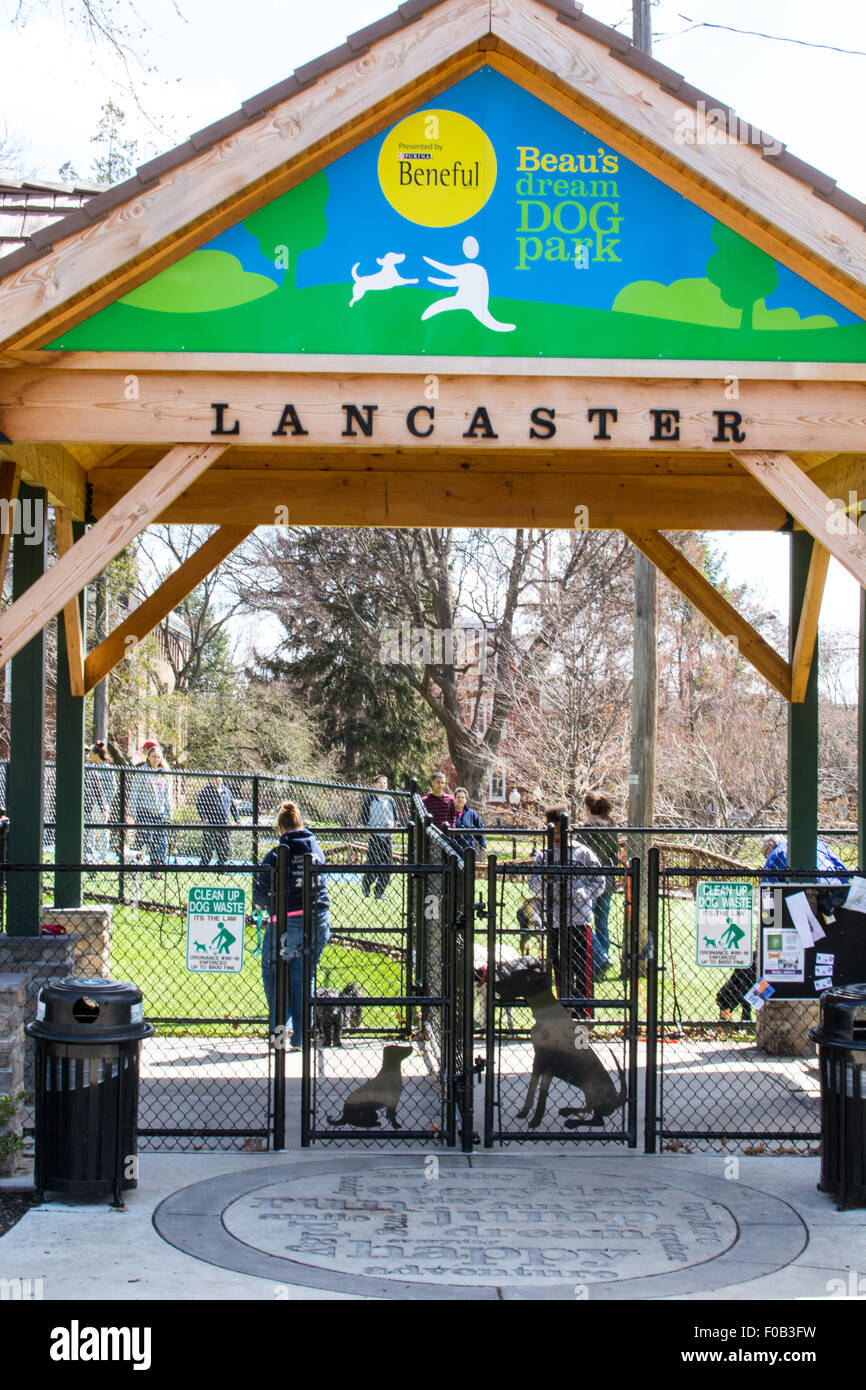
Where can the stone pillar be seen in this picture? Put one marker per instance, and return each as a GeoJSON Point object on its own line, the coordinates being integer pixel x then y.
{"type": "Point", "coordinates": [13, 995]}
{"type": "Point", "coordinates": [91, 927]}
{"type": "Point", "coordinates": [38, 959]}
{"type": "Point", "coordinates": [782, 1027]}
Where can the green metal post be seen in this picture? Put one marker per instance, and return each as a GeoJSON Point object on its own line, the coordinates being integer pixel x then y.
{"type": "Point", "coordinates": [69, 742]}
{"type": "Point", "coordinates": [24, 788]}
{"type": "Point", "coordinates": [802, 729]}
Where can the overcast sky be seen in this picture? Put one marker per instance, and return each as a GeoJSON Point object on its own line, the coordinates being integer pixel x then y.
{"type": "Point", "coordinates": [203, 57]}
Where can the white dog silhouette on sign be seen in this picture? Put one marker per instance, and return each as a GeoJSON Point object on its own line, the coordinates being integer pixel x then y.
{"type": "Point", "coordinates": [385, 279]}
{"type": "Point", "coordinates": [472, 286]}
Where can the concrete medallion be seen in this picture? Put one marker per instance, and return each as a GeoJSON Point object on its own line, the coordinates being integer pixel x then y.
{"type": "Point", "coordinates": [490, 1227]}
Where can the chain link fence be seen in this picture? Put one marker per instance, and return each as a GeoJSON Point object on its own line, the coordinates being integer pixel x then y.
{"type": "Point", "coordinates": [730, 1076]}
{"type": "Point", "coordinates": [222, 817]}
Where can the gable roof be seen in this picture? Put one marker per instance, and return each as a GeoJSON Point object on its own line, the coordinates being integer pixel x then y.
{"type": "Point", "coordinates": [490, 32]}
{"type": "Point", "coordinates": [29, 205]}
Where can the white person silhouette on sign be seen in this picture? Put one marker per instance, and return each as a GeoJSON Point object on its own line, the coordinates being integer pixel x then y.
{"type": "Point", "coordinates": [472, 286]}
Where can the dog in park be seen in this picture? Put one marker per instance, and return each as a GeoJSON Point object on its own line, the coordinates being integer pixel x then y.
{"type": "Point", "coordinates": [382, 1092]}
{"type": "Point", "coordinates": [354, 1013]}
{"type": "Point", "coordinates": [330, 1018]}
{"type": "Point", "coordinates": [530, 926]}
{"type": "Point", "coordinates": [506, 954]}
{"type": "Point", "coordinates": [558, 1051]}
{"type": "Point", "coordinates": [385, 279]}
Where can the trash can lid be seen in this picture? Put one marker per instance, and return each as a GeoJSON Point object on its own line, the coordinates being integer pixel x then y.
{"type": "Point", "coordinates": [84, 1010]}
{"type": "Point", "coordinates": [843, 1016]}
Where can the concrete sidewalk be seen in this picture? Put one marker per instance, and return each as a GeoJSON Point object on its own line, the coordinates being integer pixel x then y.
{"type": "Point", "coordinates": [334, 1224]}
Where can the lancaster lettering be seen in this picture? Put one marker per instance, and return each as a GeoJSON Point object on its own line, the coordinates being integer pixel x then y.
{"type": "Point", "coordinates": [479, 422]}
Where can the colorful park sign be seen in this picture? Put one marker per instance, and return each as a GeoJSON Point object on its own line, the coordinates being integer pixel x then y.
{"type": "Point", "coordinates": [724, 922]}
{"type": "Point", "coordinates": [215, 920]}
{"type": "Point", "coordinates": [487, 224]}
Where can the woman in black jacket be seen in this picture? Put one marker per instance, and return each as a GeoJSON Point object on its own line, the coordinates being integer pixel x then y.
{"type": "Point", "coordinates": [299, 841]}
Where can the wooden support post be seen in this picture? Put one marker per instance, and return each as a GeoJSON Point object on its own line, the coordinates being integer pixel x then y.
{"type": "Point", "coordinates": [714, 607]}
{"type": "Point", "coordinates": [69, 739]}
{"type": "Point", "coordinates": [10, 479]}
{"type": "Point", "coordinates": [72, 619]}
{"type": "Point", "coordinates": [25, 774]}
{"type": "Point", "coordinates": [807, 628]}
{"type": "Point", "coordinates": [802, 726]}
{"type": "Point", "coordinates": [809, 505]}
{"type": "Point", "coordinates": [121, 524]}
{"type": "Point", "coordinates": [151, 612]}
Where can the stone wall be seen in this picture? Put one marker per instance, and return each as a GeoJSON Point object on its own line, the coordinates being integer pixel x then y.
{"type": "Point", "coordinates": [92, 929]}
{"type": "Point", "coordinates": [782, 1027]}
{"type": "Point", "coordinates": [13, 996]}
{"type": "Point", "coordinates": [38, 959]}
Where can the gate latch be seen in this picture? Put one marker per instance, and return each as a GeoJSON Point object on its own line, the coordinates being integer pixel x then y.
{"type": "Point", "coordinates": [478, 1067]}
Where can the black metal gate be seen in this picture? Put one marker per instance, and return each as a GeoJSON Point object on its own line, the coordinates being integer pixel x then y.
{"type": "Point", "coordinates": [384, 1050]}
{"type": "Point", "coordinates": [561, 1027]}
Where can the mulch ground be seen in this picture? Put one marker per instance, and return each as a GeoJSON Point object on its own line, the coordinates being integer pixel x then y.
{"type": "Point", "coordinates": [12, 1208]}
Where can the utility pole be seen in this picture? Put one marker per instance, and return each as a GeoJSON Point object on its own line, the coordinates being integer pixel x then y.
{"type": "Point", "coordinates": [641, 28]}
{"type": "Point", "coordinates": [644, 697]}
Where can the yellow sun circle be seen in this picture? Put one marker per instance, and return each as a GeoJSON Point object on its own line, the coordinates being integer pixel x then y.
{"type": "Point", "coordinates": [437, 168]}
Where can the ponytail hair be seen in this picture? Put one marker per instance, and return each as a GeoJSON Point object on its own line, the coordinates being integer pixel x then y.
{"type": "Point", "coordinates": [597, 804]}
{"type": "Point", "coordinates": [289, 817]}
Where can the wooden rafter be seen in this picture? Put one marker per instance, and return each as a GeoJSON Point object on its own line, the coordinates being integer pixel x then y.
{"type": "Point", "coordinates": [75, 644]}
{"type": "Point", "coordinates": [53, 467]}
{"type": "Point", "coordinates": [807, 631]}
{"type": "Point", "coordinates": [714, 607]}
{"type": "Point", "coordinates": [162, 602]}
{"type": "Point", "coordinates": [89, 556]}
{"type": "Point", "coordinates": [808, 504]}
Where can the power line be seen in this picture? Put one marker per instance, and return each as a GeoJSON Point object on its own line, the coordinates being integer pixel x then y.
{"type": "Point", "coordinates": [758, 34]}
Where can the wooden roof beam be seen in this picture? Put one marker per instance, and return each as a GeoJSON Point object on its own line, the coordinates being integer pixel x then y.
{"type": "Point", "coordinates": [158, 605]}
{"type": "Point", "coordinates": [807, 503]}
{"type": "Point", "coordinates": [807, 632]}
{"type": "Point", "coordinates": [718, 612]}
{"type": "Point", "coordinates": [75, 643]}
{"type": "Point", "coordinates": [53, 467]}
{"type": "Point", "coordinates": [88, 557]}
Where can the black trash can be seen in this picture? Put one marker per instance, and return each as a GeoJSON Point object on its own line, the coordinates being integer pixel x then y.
{"type": "Point", "coordinates": [841, 1041]}
{"type": "Point", "coordinates": [88, 1037]}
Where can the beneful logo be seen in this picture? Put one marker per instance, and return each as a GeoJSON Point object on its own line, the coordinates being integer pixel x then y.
{"type": "Point", "coordinates": [664, 424]}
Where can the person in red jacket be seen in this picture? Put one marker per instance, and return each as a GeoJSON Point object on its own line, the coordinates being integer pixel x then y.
{"type": "Point", "coordinates": [440, 805]}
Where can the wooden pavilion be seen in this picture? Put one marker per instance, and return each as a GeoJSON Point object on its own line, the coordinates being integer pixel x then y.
{"type": "Point", "coordinates": [660, 326]}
